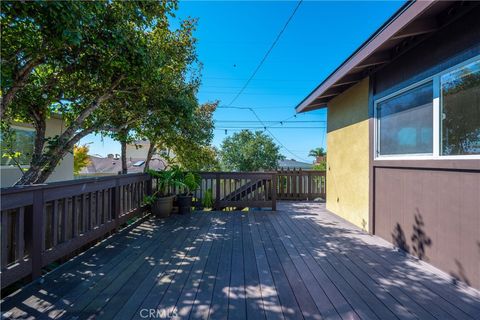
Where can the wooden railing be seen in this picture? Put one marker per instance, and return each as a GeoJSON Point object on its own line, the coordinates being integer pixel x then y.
{"type": "Point", "coordinates": [43, 223]}
{"type": "Point", "coordinates": [237, 189]}
{"type": "Point", "coordinates": [297, 184]}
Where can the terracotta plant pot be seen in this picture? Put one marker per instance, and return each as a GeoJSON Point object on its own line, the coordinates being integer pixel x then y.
{"type": "Point", "coordinates": [162, 208]}
{"type": "Point", "coordinates": [184, 204]}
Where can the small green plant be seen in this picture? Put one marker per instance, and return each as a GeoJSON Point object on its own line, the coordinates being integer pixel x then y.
{"type": "Point", "coordinates": [149, 199]}
{"type": "Point", "coordinates": [207, 200]}
{"type": "Point", "coordinates": [166, 181]}
{"type": "Point", "coordinates": [191, 181]}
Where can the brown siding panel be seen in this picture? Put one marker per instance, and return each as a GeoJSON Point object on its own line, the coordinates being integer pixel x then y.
{"type": "Point", "coordinates": [433, 214]}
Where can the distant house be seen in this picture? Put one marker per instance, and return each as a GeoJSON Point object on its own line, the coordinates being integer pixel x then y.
{"type": "Point", "coordinates": [138, 149]}
{"type": "Point", "coordinates": [113, 165]}
{"type": "Point", "coordinates": [294, 164]}
{"type": "Point", "coordinates": [403, 134]}
{"type": "Point", "coordinates": [25, 135]}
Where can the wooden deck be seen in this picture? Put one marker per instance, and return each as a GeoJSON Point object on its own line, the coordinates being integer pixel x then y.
{"type": "Point", "coordinates": [300, 262]}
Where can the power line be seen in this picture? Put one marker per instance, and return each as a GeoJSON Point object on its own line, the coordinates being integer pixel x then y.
{"type": "Point", "coordinates": [261, 79]}
{"type": "Point", "coordinates": [254, 93]}
{"type": "Point", "coordinates": [266, 127]}
{"type": "Point", "coordinates": [260, 107]}
{"type": "Point", "coordinates": [255, 72]}
{"type": "Point", "coordinates": [272, 121]}
{"type": "Point", "coordinates": [267, 54]}
{"type": "Point", "coordinates": [274, 137]}
{"type": "Point", "coordinates": [264, 107]}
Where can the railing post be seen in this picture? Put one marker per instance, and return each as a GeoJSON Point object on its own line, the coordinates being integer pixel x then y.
{"type": "Point", "coordinates": [149, 190]}
{"type": "Point", "coordinates": [300, 184]}
{"type": "Point", "coordinates": [274, 192]}
{"type": "Point", "coordinates": [116, 205]}
{"type": "Point", "coordinates": [310, 182]}
{"type": "Point", "coordinates": [323, 179]}
{"type": "Point", "coordinates": [217, 191]}
{"type": "Point", "coordinates": [38, 230]}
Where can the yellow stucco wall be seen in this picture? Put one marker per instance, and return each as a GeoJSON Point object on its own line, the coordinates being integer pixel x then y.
{"type": "Point", "coordinates": [63, 171]}
{"type": "Point", "coordinates": [348, 155]}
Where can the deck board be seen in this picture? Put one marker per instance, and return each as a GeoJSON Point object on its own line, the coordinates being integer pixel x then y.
{"type": "Point", "coordinates": [300, 262]}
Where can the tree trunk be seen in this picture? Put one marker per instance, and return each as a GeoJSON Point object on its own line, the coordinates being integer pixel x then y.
{"type": "Point", "coordinates": [40, 125]}
{"type": "Point", "coordinates": [124, 157]}
{"type": "Point", "coordinates": [151, 150]}
{"type": "Point", "coordinates": [42, 168]}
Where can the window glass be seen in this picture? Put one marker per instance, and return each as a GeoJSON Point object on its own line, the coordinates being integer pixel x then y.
{"type": "Point", "coordinates": [460, 100]}
{"type": "Point", "coordinates": [23, 141]}
{"type": "Point", "coordinates": [405, 122]}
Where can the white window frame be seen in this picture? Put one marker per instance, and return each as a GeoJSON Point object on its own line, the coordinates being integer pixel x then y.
{"type": "Point", "coordinates": [436, 155]}
{"type": "Point", "coordinates": [25, 166]}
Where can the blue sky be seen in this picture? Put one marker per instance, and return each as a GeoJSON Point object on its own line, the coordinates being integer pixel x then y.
{"type": "Point", "coordinates": [234, 36]}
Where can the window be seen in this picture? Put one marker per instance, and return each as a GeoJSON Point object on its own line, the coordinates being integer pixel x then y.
{"type": "Point", "coordinates": [23, 140]}
{"type": "Point", "coordinates": [405, 122]}
{"type": "Point", "coordinates": [460, 101]}
{"type": "Point", "coordinates": [437, 117]}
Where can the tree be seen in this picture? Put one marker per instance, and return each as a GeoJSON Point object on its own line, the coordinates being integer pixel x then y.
{"type": "Point", "coordinates": [83, 60]}
{"type": "Point", "coordinates": [186, 136]}
{"type": "Point", "coordinates": [249, 151]}
{"type": "Point", "coordinates": [81, 159]}
{"type": "Point", "coordinates": [317, 152]}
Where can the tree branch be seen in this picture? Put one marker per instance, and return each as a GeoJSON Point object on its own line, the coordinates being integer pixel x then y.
{"type": "Point", "coordinates": [19, 79]}
{"type": "Point", "coordinates": [89, 110]}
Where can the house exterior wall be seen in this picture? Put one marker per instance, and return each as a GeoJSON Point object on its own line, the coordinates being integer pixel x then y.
{"type": "Point", "coordinates": [138, 150]}
{"type": "Point", "coordinates": [431, 207]}
{"type": "Point", "coordinates": [348, 155]}
{"type": "Point", "coordinates": [63, 171]}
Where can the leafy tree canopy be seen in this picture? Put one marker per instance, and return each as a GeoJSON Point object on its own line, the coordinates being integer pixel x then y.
{"type": "Point", "coordinates": [317, 152]}
{"type": "Point", "coordinates": [249, 151]}
{"type": "Point", "coordinates": [104, 66]}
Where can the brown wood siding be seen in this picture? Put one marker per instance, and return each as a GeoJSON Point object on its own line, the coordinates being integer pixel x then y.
{"type": "Point", "coordinates": [444, 195]}
{"type": "Point", "coordinates": [432, 214]}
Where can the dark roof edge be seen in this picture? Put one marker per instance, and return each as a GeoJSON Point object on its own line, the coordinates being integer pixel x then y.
{"type": "Point", "coordinates": [398, 13]}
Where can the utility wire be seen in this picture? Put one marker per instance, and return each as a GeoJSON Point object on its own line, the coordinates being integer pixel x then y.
{"type": "Point", "coordinates": [267, 127]}
{"type": "Point", "coordinates": [266, 54]}
{"type": "Point", "coordinates": [272, 121]}
{"type": "Point", "coordinates": [267, 130]}
{"type": "Point", "coordinates": [255, 72]}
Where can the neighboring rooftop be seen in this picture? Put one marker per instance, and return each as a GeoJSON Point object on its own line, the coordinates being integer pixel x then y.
{"type": "Point", "coordinates": [112, 165]}
{"type": "Point", "coordinates": [294, 164]}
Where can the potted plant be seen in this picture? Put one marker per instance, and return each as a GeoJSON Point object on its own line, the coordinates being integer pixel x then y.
{"type": "Point", "coordinates": [191, 182]}
{"type": "Point", "coordinates": [161, 201]}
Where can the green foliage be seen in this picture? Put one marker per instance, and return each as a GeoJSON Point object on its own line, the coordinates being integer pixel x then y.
{"type": "Point", "coordinates": [83, 59]}
{"type": "Point", "coordinates": [81, 159]}
{"type": "Point", "coordinates": [191, 181]}
{"type": "Point", "coordinates": [167, 180]}
{"type": "Point", "coordinates": [249, 151]}
{"type": "Point", "coordinates": [186, 135]}
{"type": "Point", "coordinates": [9, 148]}
{"type": "Point", "coordinates": [172, 178]}
{"type": "Point", "coordinates": [207, 201]}
{"type": "Point", "coordinates": [322, 166]}
{"type": "Point", "coordinates": [150, 199]}
{"type": "Point", "coordinates": [317, 152]}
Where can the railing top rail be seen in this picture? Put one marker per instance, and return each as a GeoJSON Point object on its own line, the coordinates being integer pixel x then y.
{"type": "Point", "coordinates": [237, 172]}
{"type": "Point", "coordinates": [59, 184]}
